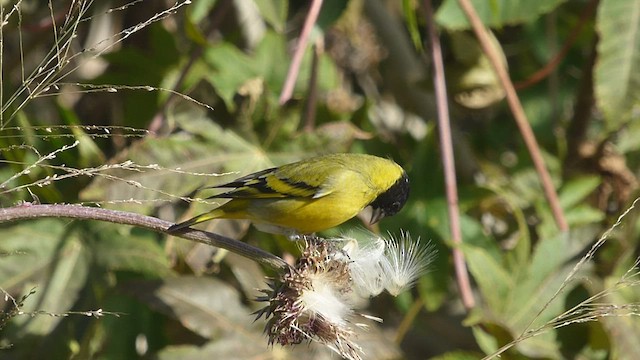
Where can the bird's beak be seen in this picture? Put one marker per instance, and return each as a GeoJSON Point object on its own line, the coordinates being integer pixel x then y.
{"type": "Point", "coordinates": [376, 215]}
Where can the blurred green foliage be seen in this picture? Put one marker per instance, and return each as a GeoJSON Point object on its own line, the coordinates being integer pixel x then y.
{"type": "Point", "coordinates": [104, 104]}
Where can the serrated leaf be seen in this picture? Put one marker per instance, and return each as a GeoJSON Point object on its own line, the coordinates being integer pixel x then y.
{"type": "Point", "coordinates": [523, 299]}
{"type": "Point", "coordinates": [497, 13]}
{"type": "Point", "coordinates": [617, 70]}
{"type": "Point", "coordinates": [494, 282]}
{"type": "Point", "coordinates": [622, 322]}
{"type": "Point", "coordinates": [536, 285]}
{"type": "Point", "coordinates": [531, 301]}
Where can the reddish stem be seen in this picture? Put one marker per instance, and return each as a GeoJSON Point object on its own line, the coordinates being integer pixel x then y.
{"type": "Point", "coordinates": [518, 112]}
{"type": "Point", "coordinates": [446, 146]}
{"type": "Point", "coordinates": [292, 74]}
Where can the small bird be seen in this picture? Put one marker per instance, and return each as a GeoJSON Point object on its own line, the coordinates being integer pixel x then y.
{"type": "Point", "coordinates": [312, 195]}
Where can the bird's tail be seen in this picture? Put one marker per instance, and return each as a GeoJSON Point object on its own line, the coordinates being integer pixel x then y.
{"type": "Point", "coordinates": [215, 214]}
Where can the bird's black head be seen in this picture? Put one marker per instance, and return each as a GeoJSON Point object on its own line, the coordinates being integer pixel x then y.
{"type": "Point", "coordinates": [391, 201]}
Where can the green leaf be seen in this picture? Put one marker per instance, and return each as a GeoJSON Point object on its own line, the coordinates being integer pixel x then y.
{"type": "Point", "coordinates": [220, 151]}
{"type": "Point", "coordinates": [200, 9]}
{"type": "Point", "coordinates": [457, 355]}
{"type": "Point", "coordinates": [584, 215]}
{"type": "Point", "coordinates": [498, 13]}
{"type": "Point", "coordinates": [28, 251]}
{"type": "Point", "coordinates": [269, 63]}
{"type": "Point", "coordinates": [621, 321]}
{"type": "Point", "coordinates": [410, 17]}
{"type": "Point", "coordinates": [617, 70]}
{"type": "Point", "coordinates": [274, 13]}
{"type": "Point", "coordinates": [206, 306]}
{"type": "Point", "coordinates": [577, 190]}
{"type": "Point", "coordinates": [472, 232]}
{"type": "Point", "coordinates": [494, 282]}
{"type": "Point", "coordinates": [523, 298]}
{"type": "Point", "coordinates": [58, 288]}
{"type": "Point", "coordinates": [535, 300]}
{"type": "Point", "coordinates": [128, 250]}
{"type": "Point", "coordinates": [230, 347]}
{"type": "Point", "coordinates": [486, 341]}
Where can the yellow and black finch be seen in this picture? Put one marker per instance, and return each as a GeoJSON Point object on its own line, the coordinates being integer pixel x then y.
{"type": "Point", "coordinates": [313, 194]}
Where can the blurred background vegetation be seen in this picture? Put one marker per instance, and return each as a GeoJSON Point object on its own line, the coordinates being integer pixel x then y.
{"type": "Point", "coordinates": [103, 104]}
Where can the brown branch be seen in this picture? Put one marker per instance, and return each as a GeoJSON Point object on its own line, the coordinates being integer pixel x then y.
{"type": "Point", "coordinates": [446, 146]}
{"type": "Point", "coordinates": [294, 68]}
{"type": "Point", "coordinates": [29, 211]}
{"type": "Point", "coordinates": [518, 112]}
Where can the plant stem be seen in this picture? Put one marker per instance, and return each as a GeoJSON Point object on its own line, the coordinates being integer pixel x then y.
{"type": "Point", "coordinates": [30, 211]}
{"type": "Point", "coordinates": [446, 146]}
{"type": "Point", "coordinates": [294, 68]}
{"type": "Point", "coordinates": [518, 112]}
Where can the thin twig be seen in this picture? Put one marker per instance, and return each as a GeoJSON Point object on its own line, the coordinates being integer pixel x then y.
{"type": "Point", "coordinates": [294, 68]}
{"type": "Point", "coordinates": [518, 112]}
{"type": "Point", "coordinates": [446, 146]}
{"type": "Point", "coordinates": [30, 211]}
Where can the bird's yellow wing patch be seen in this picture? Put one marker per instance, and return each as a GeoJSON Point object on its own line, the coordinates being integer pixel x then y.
{"type": "Point", "coordinates": [270, 184]}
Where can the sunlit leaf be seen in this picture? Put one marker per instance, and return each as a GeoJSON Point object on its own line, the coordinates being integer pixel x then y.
{"type": "Point", "coordinates": [64, 272]}
{"type": "Point", "coordinates": [493, 280]}
{"type": "Point", "coordinates": [28, 251]}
